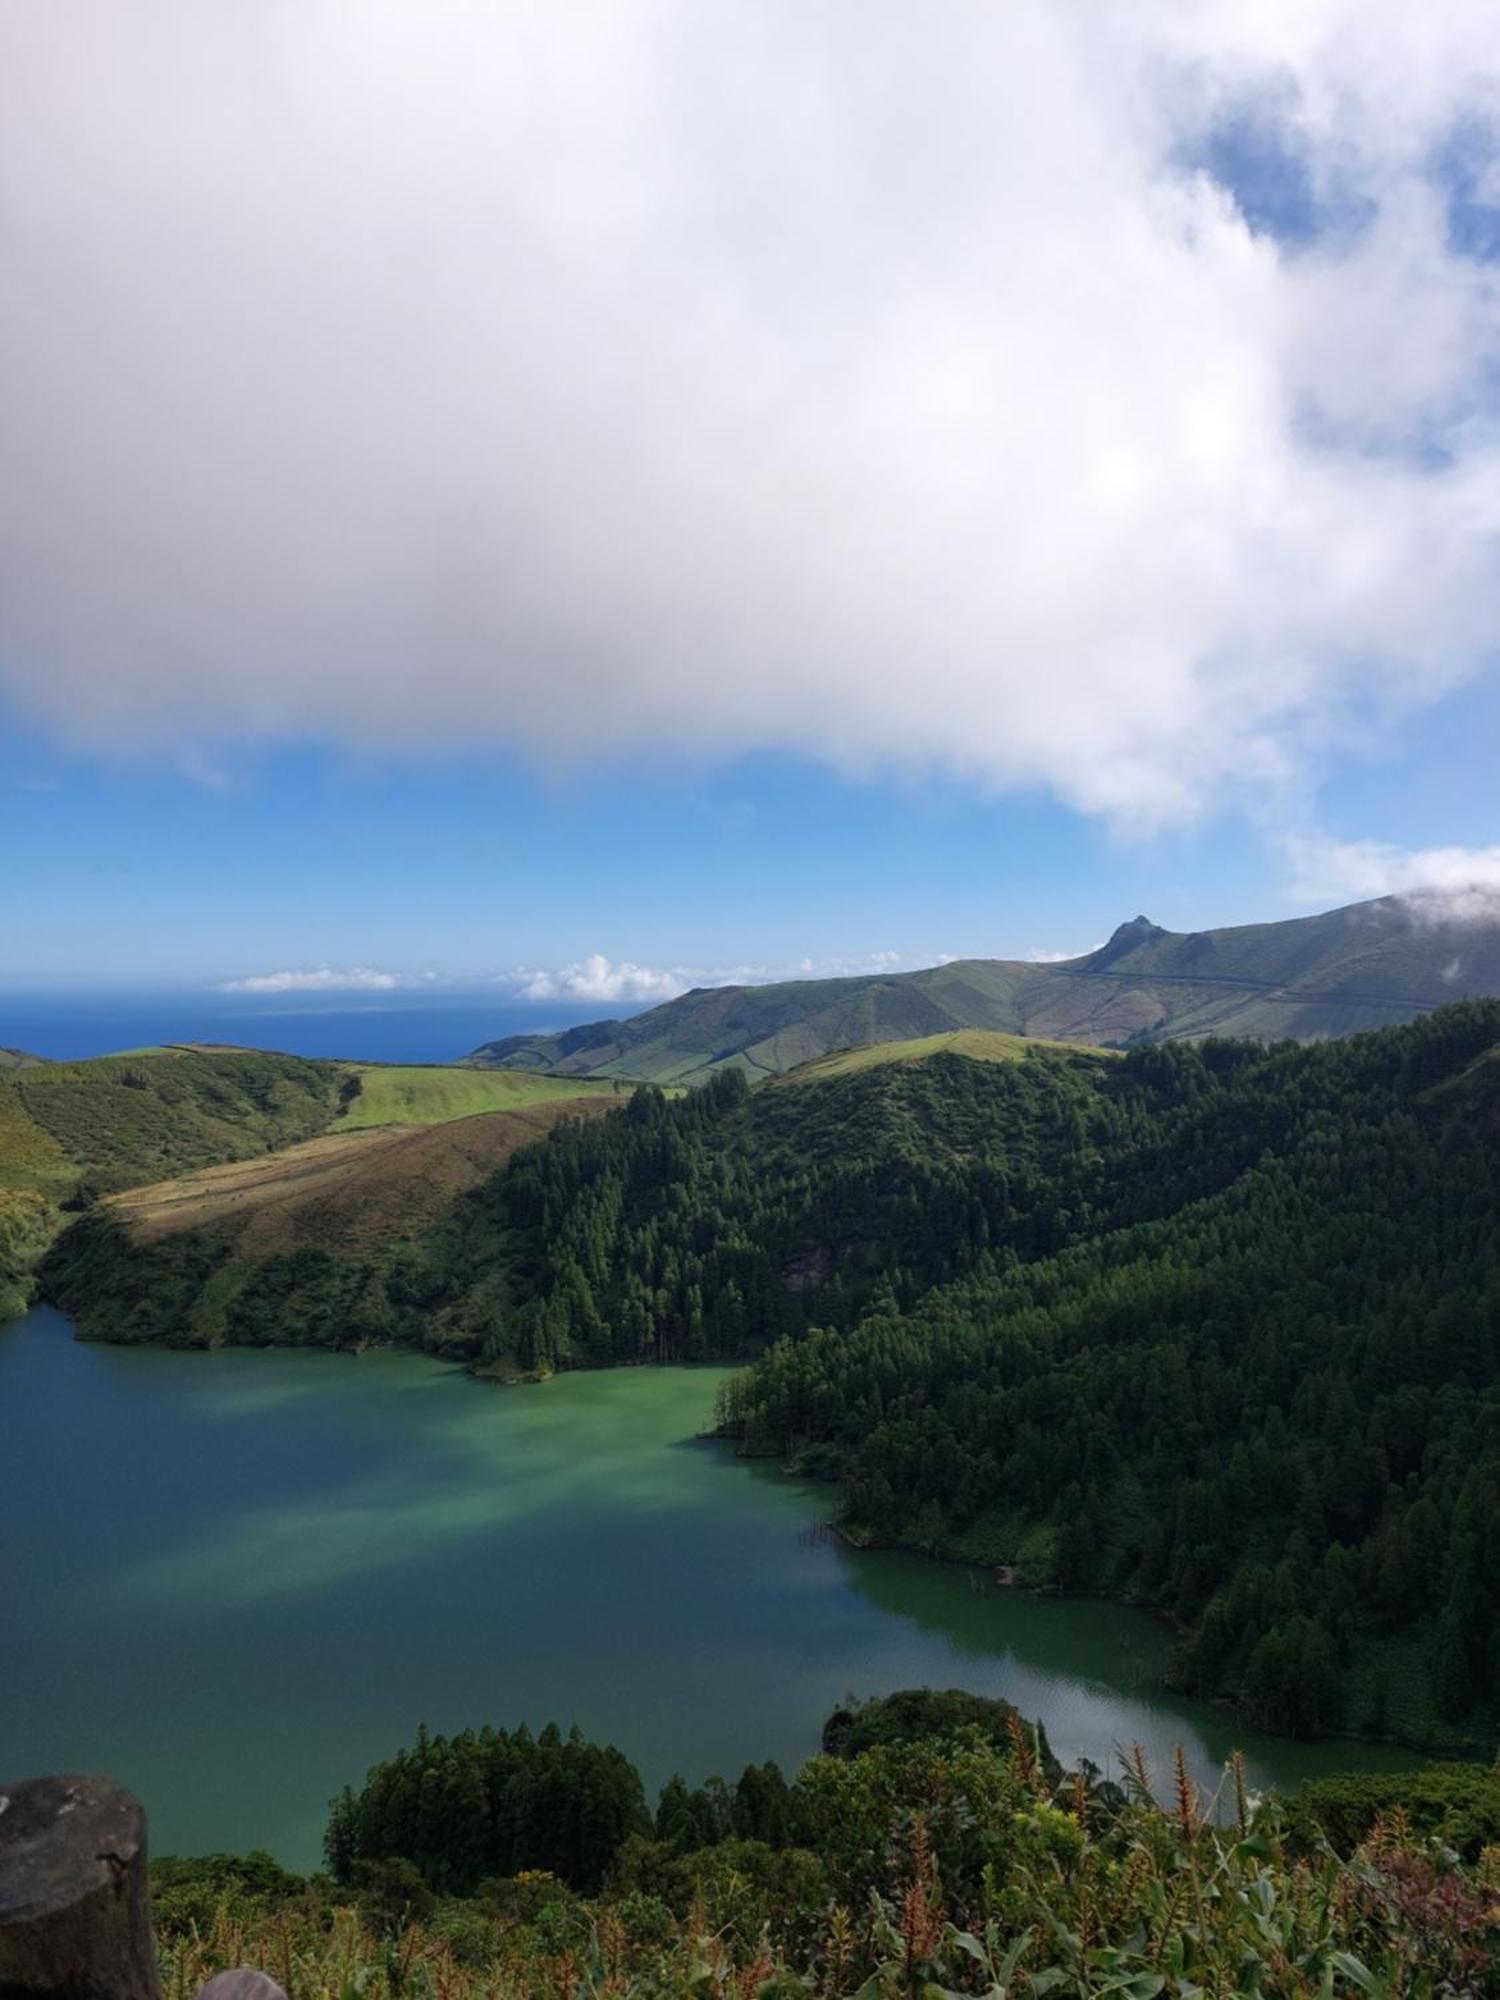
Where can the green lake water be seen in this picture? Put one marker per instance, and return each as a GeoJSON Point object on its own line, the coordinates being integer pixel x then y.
{"type": "Point", "coordinates": [236, 1580]}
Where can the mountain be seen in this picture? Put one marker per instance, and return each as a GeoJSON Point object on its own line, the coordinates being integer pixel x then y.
{"type": "Point", "coordinates": [1369, 965]}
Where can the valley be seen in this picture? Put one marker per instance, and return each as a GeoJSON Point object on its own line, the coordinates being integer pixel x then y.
{"type": "Point", "coordinates": [1090, 1316]}
{"type": "Point", "coordinates": [1130, 1389]}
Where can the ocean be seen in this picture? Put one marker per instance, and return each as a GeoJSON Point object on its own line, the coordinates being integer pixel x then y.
{"type": "Point", "coordinates": [405, 1028]}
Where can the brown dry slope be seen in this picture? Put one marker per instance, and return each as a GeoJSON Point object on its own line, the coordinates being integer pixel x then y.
{"type": "Point", "coordinates": [346, 1192]}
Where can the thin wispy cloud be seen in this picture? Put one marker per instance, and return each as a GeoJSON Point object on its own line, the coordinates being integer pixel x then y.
{"type": "Point", "coordinates": [595, 979]}
{"type": "Point", "coordinates": [598, 978]}
{"type": "Point", "coordinates": [764, 376]}
{"type": "Point", "coordinates": [327, 979]}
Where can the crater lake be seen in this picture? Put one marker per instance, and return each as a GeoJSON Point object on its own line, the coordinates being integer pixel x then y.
{"type": "Point", "coordinates": [235, 1580]}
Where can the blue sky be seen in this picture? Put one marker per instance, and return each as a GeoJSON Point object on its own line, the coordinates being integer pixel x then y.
{"type": "Point", "coordinates": [140, 872]}
{"type": "Point", "coordinates": [735, 510]}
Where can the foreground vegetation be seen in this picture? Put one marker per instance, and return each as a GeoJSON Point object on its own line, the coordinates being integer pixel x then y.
{"type": "Point", "coordinates": [933, 1849]}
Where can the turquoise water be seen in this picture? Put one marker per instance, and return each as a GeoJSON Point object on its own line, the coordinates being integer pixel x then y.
{"type": "Point", "coordinates": [236, 1580]}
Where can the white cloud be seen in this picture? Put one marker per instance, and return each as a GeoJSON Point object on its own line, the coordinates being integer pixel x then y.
{"type": "Point", "coordinates": [798, 374]}
{"type": "Point", "coordinates": [324, 979]}
{"type": "Point", "coordinates": [595, 978]}
{"type": "Point", "coordinates": [1444, 884]}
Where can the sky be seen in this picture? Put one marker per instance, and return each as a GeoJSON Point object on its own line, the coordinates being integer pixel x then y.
{"type": "Point", "coordinates": [589, 501]}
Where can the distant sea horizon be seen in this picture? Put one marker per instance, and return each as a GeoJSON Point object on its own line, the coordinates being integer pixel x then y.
{"type": "Point", "coordinates": [365, 1027]}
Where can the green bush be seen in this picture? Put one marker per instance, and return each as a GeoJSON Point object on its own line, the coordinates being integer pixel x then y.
{"type": "Point", "coordinates": [1458, 1804]}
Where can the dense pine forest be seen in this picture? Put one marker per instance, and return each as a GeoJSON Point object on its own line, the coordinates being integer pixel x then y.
{"type": "Point", "coordinates": [1213, 1326]}
{"type": "Point", "coordinates": [933, 1848]}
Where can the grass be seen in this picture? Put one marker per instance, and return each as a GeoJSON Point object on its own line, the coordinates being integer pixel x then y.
{"type": "Point", "coordinates": [978, 1044]}
{"type": "Point", "coordinates": [398, 1096]}
{"type": "Point", "coordinates": [29, 1157]}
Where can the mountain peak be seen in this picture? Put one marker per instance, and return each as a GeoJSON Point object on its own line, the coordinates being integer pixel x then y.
{"type": "Point", "coordinates": [1140, 930]}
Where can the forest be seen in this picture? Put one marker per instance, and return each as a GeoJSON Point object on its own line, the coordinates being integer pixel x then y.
{"type": "Point", "coordinates": [1209, 1326]}
{"type": "Point", "coordinates": [933, 1848]}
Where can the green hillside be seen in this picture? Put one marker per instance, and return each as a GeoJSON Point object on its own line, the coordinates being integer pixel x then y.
{"type": "Point", "coordinates": [125, 1119]}
{"type": "Point", "coordinates": [765, 1030]}
{"type": "Point", "coordinates": [72, 1130]}
{"type": "Point", "coordinates": [388, 1094]}
{"type": "Point", "coordinates": [1368, 966]}
{"type": "Point", "coordinates": [978, 1044]}
{"type": "Point", "coordinates": [851, 1164]}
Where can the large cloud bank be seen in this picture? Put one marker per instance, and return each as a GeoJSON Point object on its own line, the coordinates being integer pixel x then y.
{"type": "Point", "coordinates": [906, 385]}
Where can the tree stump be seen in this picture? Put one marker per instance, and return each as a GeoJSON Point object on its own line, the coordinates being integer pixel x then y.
{"type": "Point", "coordinates": [75, 1913]}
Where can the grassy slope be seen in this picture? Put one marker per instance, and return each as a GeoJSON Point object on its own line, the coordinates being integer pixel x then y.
{"type": "Point", "coordinates": [766, 1030]}
{"type": "Point", "coordinates": [978, 1044]}
{"type": "Point", "coordinates": [397, 1096]}
{"type": "Point", "coordinates": [345, 1192]}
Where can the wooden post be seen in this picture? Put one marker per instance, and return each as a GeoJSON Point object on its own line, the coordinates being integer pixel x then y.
{"type": "Point", "coordinates": [75, 1915]}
